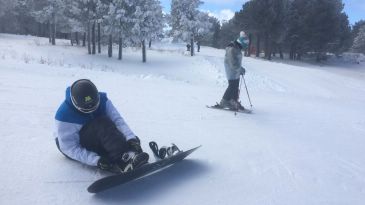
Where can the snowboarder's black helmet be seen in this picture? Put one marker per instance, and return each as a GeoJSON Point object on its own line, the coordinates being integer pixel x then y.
{"type": "Point", "coordinates": [85, 96]}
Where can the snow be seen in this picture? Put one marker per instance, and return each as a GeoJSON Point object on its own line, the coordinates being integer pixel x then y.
{"type": "Point", "coordinates": [304, 143]}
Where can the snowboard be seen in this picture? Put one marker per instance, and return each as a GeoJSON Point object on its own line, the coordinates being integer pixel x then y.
{"type": "Point", "coordinates": [218, 107]}
{"type": "Point", "coordinates": [122, 178]}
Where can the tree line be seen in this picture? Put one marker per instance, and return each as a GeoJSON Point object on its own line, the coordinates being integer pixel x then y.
{"type": "Point", "coordinates": [296, 27]}
{"type": "Point", "coordinates": [95, 22]}
{"type": "Point", "coordinates": [293, 27]}
{"type": "Point", "coordinates": [86, 22]}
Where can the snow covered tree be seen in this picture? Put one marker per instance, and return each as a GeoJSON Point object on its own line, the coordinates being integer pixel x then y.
{"type": "Point", "coordinates": [6, 5]}
{"type": "Point", "coordinates": [55, 13]}
{"type": "Point", "coordinates": [210, 36]}
{"type": "Point", "coordinates": [356, 28]}
{"type": "Point", "coordinates": [185, 20]}
{"type": "Point", "coordinates": [204, 25]}
{"type": "Point", "coordinates": [148, 23]}
{"type": "Point", "coordinates": [16, 17]}
{"type": "Point", "coordinates": [86, 18]}
{"type": "Point", "coordinates": [119, 21]}
{"type": "Point", "coordinates": [359, 42]}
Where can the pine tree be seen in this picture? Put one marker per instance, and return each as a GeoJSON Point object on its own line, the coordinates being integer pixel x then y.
{"type": "Point", "coordinates": [317, 26]}
{"type": "Point", "coordinates": [184, 20]}
{"type": "Point", "coordinates": [148, 23]}
{"type": "Point", "coordinates": [356, 28]}
{"type": "Point", "coordinates": [118, 22]}
{"type": "Point", "coordinates": [54, 13]}
{"type": "Point", "coordinates": [210, 35]}
{"type": "Point", "coordinates": [6, 5]}
{"type": "Point", "coordinates": [359, 42]}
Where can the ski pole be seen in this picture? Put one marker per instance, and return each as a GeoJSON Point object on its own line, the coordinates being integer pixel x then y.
{"type": "Point", "coordinates": [248, 95]}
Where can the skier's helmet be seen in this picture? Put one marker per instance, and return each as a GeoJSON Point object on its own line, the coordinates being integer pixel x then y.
{"type": "Point", "coordinates": [85, 96]}
{"type": "Point", "coordinates": [242, 39]}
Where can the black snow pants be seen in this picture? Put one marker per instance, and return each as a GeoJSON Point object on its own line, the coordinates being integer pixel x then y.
{"type": "Point", "coordinates": [103, 137]}
{"type": "Point", "coordinates": [232, 90]}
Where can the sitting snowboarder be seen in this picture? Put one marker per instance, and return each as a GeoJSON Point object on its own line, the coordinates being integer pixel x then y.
{"type": "Point", "coordinates": [232, 64]}
{"type": "Point", "coordinates": [90, 130]}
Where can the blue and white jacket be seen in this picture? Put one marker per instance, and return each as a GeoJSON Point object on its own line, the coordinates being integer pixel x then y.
{"type": "Point", "coordinates": [69, 122]}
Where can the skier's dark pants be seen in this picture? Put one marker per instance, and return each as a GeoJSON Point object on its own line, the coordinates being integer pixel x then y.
{"type": "Point", "coordinates": [103, 137]}
{"type": "Point", "coordinates": [232, 90]}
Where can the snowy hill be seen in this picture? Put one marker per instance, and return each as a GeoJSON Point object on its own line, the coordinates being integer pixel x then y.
{"type": "Point", "coordinates": [304, 144]}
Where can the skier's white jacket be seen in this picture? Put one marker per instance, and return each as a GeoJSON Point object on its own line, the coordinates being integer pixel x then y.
{"type": "Point", "coordinates": [69, 122]}
{"type": "Point", "coordinates": [233, 60]}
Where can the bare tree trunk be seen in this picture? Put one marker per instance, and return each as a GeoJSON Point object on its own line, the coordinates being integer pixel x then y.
{"type": "Point", "coordinates": [50, 31]}
{"type": "Point", "coordinates": [266, 48]}
{"type": "Point", "coordinates": [293, 51]}
{"type": "Point", "coordinates": [258, 45]}
{"type": "Point", "coordinates": [120, 48]}
{"type": "Point", "coordinates": [93, 38]}
{"type": "Point", "coordinates": [72, 43]}
{"type": "Point", "coordinates": [249, 44]}
{"type": "Point", "coordinates": [99, 37]}
{"type": "Point", "coordinates": [84, 40]}
{"type": "Point", "coordinates": [77, 38]}
{"type": "Point", "coordinates": [54, 30]}
{"type": "Point", "coordinates": [192, 45]}
{"type": "Point", "coordinates": [44, 28]}
{"type": "Point", "coordinates": [110, 46]}
{"type": "Point", "coordinates": [54, 34]}
{"type": "Point", "coordinates": [88, 38]}
{"type": "Point", "coordinates": [150, 44]}
{"type": "Point", "coordinates": [39, 29]}
{"type": "Point", "coordinates": [144, 51]}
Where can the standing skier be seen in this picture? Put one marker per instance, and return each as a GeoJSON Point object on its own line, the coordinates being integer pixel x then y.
{"type": "Point", "coordinates": [90, 130]}
{"type": "Point", "coordinates": [234, 69]}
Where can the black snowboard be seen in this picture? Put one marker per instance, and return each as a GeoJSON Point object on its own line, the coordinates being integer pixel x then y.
{"type": "Point", "coordinates": [119, 179]}
{"type": "Point", "coordinates": [218, 107]}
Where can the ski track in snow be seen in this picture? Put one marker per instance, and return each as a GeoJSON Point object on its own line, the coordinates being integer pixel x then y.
{"type": "Point", "coordinates": [304, 143]}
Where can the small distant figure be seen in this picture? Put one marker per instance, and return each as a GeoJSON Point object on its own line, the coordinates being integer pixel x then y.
{"type": "Point", "coordinates": [198, 44]}
{"type": "Point", "coordinates": [188, 46]}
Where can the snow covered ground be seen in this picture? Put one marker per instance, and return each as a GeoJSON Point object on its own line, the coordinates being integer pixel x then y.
{"type": "Point", "coordinates": [304, 144]}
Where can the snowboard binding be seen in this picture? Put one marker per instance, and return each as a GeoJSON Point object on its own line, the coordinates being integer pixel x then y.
{"type": "Point", "coordinates": [164, 151]}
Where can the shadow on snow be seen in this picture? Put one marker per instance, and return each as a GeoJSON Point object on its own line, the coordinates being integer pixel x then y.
{"type": "Point", "coordinates": [155, 185]}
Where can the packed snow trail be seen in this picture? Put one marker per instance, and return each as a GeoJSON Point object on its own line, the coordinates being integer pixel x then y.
{"type": "Point", "coordinates": [303, 145]}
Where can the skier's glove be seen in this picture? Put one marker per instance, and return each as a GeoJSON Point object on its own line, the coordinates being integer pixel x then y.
{"type": "Point", "coordinates": [243, 71]}
{"type": "Point", "coordinates": [134, 144]}
{"type": "Point", "coordinates": [104, 164]}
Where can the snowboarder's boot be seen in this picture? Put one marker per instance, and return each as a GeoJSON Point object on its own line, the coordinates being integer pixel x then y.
{"type": "Point", "coordinates": [169, 151]}
{"type": "Point", "coordinates": [163, 151]}
{"type": "Point", "coordinates": [132, 160]}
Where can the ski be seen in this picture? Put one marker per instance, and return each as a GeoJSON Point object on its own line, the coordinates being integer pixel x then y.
{"type": "Point", "coordinates": [119, 179]}
{"type": "Point", "coordinates": [218, 107]}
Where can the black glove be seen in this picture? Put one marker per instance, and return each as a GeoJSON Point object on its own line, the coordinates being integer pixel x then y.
{"type": "Point", "coordinates": [104, 163]}
{"type": "Point", "coordinates": [134, 145]}
{"type": "Point", "coordinates": [243, 71]}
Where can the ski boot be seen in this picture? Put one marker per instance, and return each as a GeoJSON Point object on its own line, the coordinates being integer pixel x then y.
{"type": "Point", "coordinates": [229, 104]}
{"type": "Point", "coordinates": [239, 106]}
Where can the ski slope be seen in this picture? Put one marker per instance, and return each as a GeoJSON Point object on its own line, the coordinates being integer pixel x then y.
{"type": "Point", "coordinates": [303, 145]}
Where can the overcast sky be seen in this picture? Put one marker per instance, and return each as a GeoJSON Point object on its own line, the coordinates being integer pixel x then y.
{"type": "Point", "coordinates": [224, 9]}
